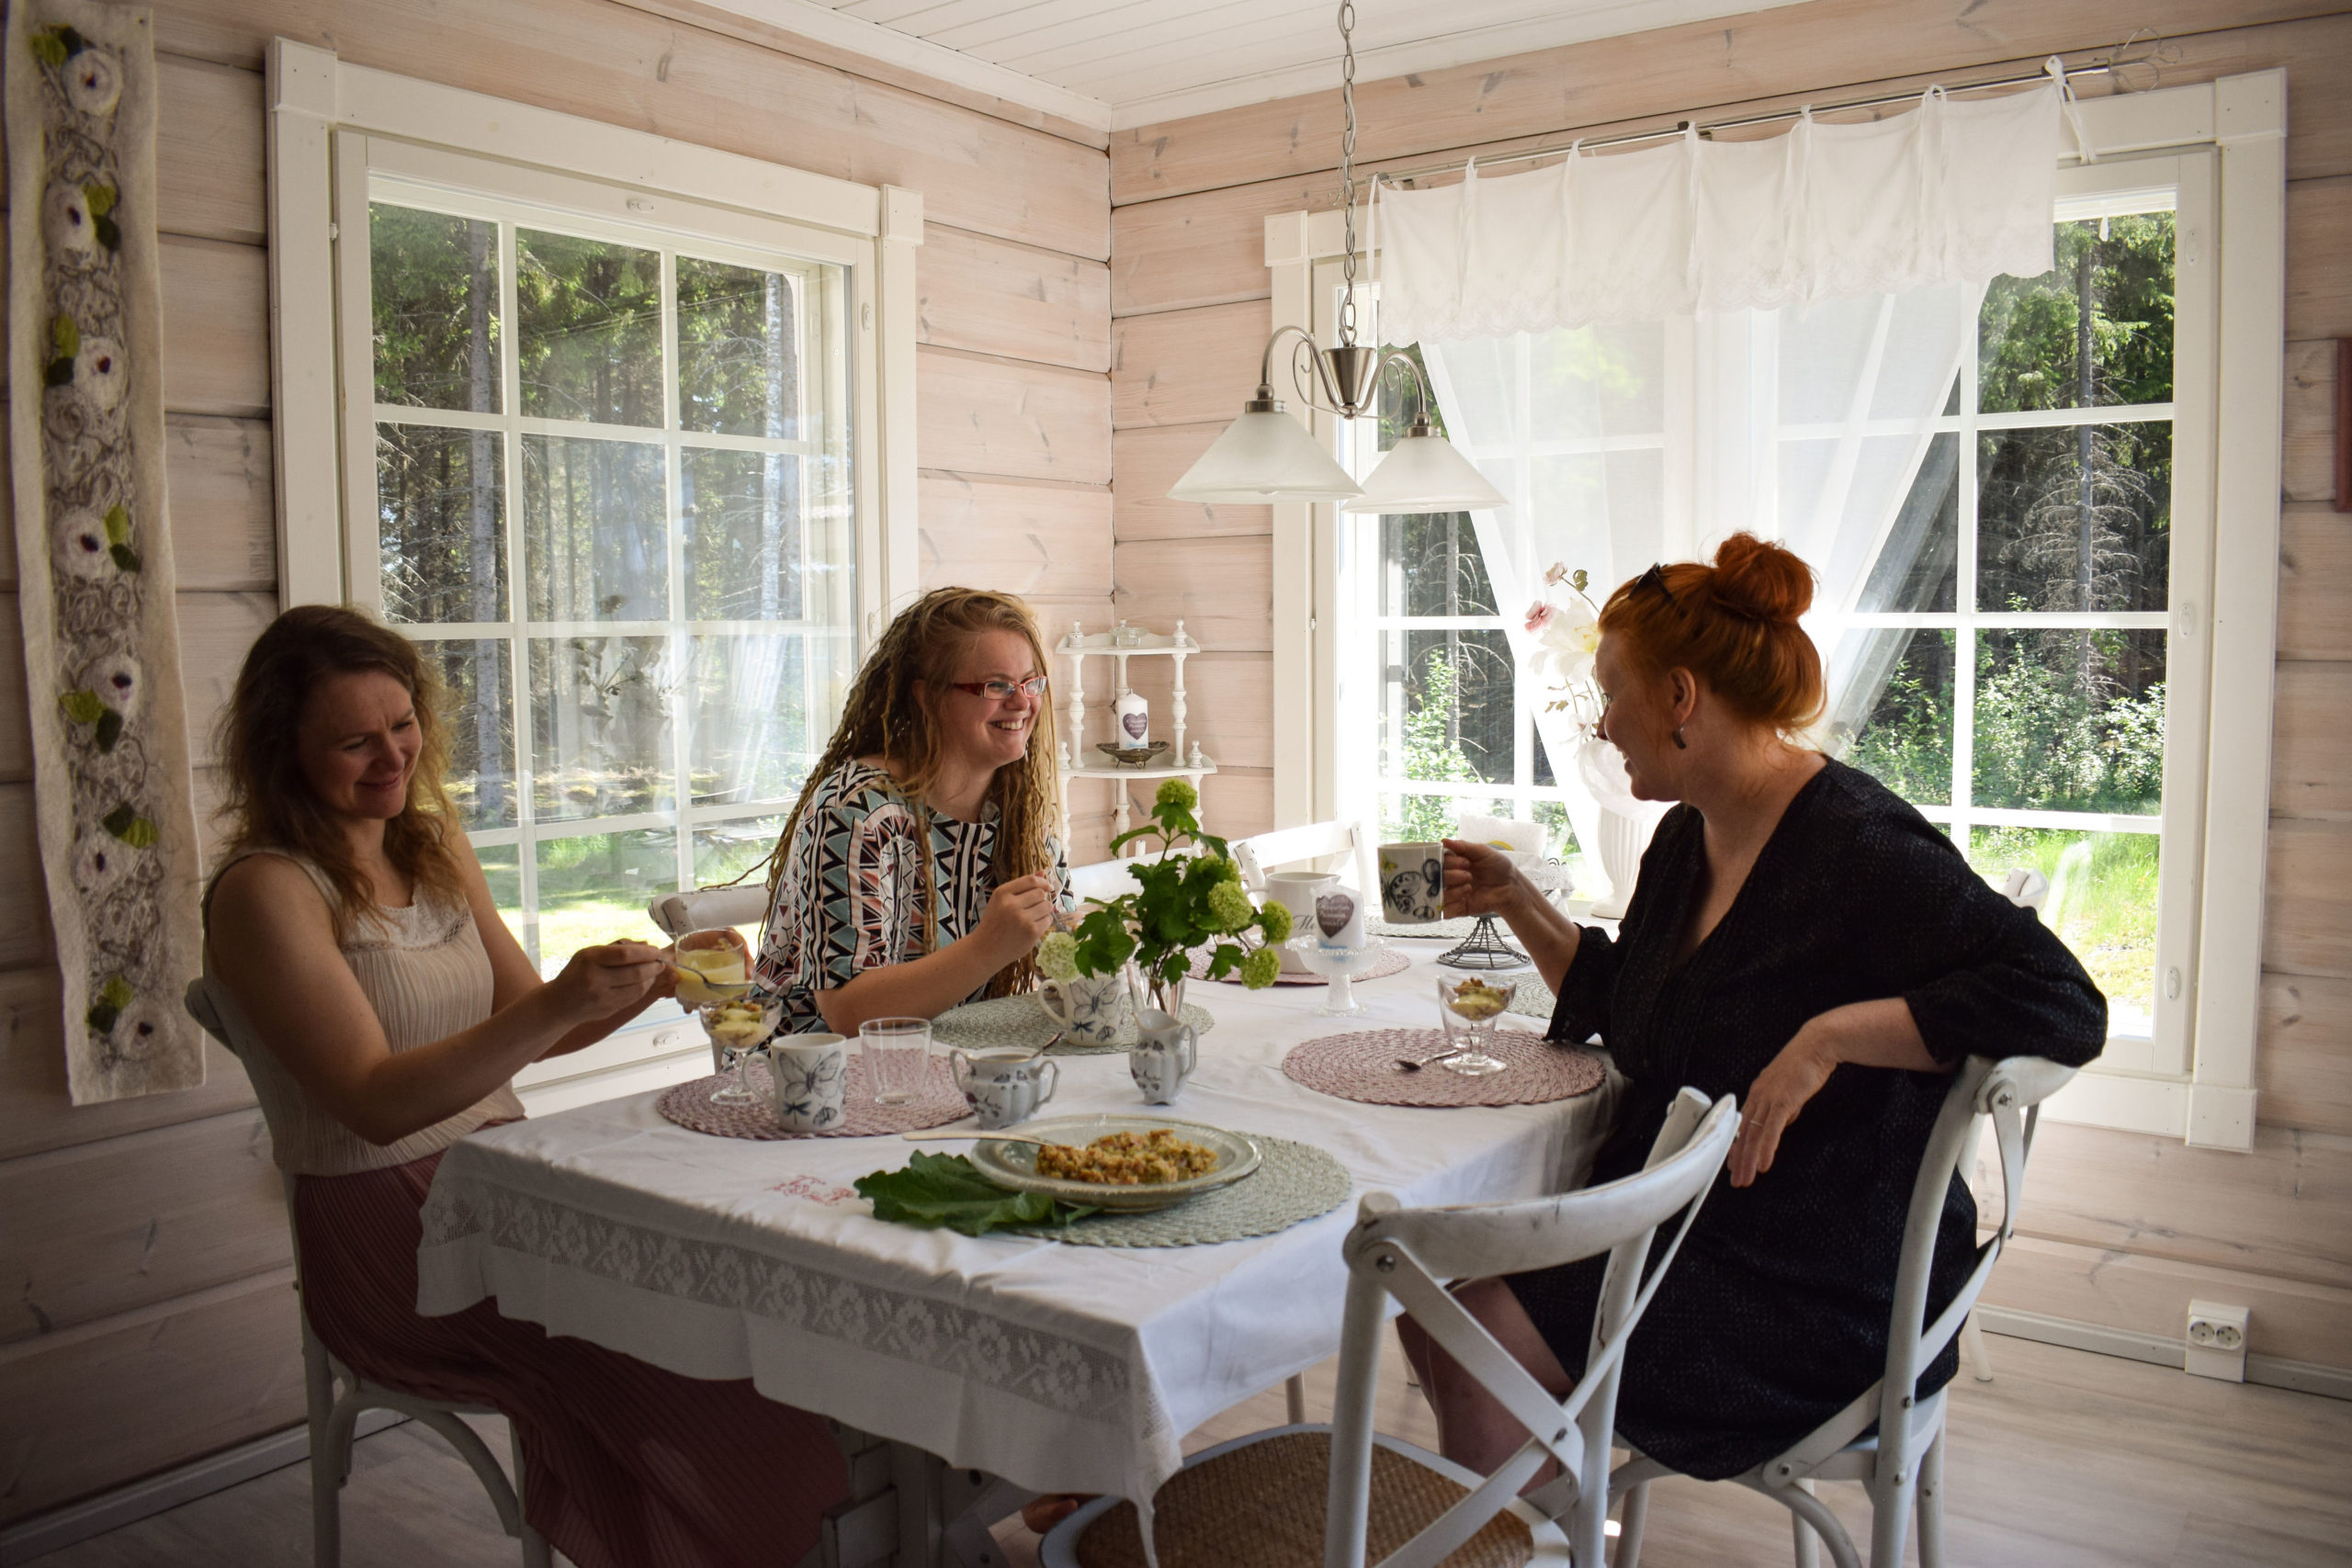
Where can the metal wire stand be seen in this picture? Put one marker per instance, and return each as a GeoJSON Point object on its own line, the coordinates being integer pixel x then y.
{"type": "Point", "coordinates": [1483, 948]}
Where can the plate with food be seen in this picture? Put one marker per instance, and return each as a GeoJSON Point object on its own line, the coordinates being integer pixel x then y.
{"type": "Point", "coordinates": [1128, 1163]}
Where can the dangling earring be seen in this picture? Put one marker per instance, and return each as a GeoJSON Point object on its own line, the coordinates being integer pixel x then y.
{"type": "Point", "coordinates": [1680, 744]}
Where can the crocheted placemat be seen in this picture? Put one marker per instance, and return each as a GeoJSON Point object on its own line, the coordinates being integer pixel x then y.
{"type": "Point", "coordinates": [1294, 1182]}
{"type": "Point", "coordinates": [1024, 1020]}
{"type": "Point", "coordinates": [689, 1106]}
{"type": "Point", "coordinates": [1390, 963]}
{"type": "Point", "coordinates": [1362, 1068]}
{"type": "Point", "coordinates": [1533, 998]}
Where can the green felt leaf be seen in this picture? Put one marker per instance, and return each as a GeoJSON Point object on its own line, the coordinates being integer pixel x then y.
{"type": "Point", "coordinates": [118, 525]}
{"type": "Point", "coordinates": [101, 1017]}
{"type": "Point", "coordinates": [142, 833]}
{"type": "Point", "coordinates": [83, 708]}
{"type": "Point", "coordinates": [948, 1190]}
{"type": "Point", "coordinates": [67, 335]}
{"type": "Point", "coordinates": [120, 819]}
{"type": "Point", "coordinates": [74, 41]}
{"type": "Point", "coordinates": [59, 373]}
{"type": "Point", "coordinates": [116, 992]}
{"type": "Point", "coordinates": [48, 48]}
{"type": "Point", "coordinates": [124, 557]}
{"type": "Point", "coordinates": [108, 231]}
{"type": "Point", "coordinates": [109, 729]}
{"type": "Point", "coordinates": [100, 198]}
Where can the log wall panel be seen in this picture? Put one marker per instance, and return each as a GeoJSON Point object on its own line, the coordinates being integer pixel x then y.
{"type": "Point", "coordinates": [980, 414]}
{"type": "Point", "coordinates": [2311, 750]}
{"type": "Point", "coordinates": [24, 915]}
{"type": "Point", "coordinates": [1208, 248]}
{"type": "Point", "coordinates": [1146, 460]}
{"type": "Point", "coordinates": [107, 1227]}
{"type": "Point", "coordinates": [2307, 468]}
{"type": "Point", "coordinates": [34, 1111]}
{"type": "Point", "coordinates": [2319, 238]}
{"type": "Point", "coordinates": [216, 629]}
{"type": "Point", "coordinates": [1229, 704]}
{"type": "Point", "coordinates": [1044, 542]}
{"type": "Point", "coordinates": [1821, 49]}
{"type": "Point", "coordinates": [993, 297]}
{"type": "Point", "coordinates": [216, 328]}
{"type": "Point", "coordinates": [1224, 592]}
{"type": "Point", "coordinates": [224, 529]}
{"type": "Point", "coordinates": [16, 730]}
{"type": "Point", "coordinates": [208, 162]}
{"type": "Point", "coordinates": [2307, 919]}
{"type": "Point", "coordinates": [2277, 1211]}
{"type": "Point", "coordinates": [94, 1407]}
{"type": "Point", "coordinates": [1186, 366]}
{"type": "Point", "coordinates": [2151, 1295]}
{"type": "Point", "coordinates": [613, 63]}
{"type": "Point", "coordinates": [2303, 1062]}
{"type": "Point", "coordinates": [2314, 584]}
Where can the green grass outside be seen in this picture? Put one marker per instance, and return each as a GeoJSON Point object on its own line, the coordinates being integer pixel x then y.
{"type": "Point", "coordinates": [2102, 904]}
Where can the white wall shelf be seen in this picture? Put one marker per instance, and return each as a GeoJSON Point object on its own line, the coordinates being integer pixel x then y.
{"type": "Point", "coordinates": [1122, 643]}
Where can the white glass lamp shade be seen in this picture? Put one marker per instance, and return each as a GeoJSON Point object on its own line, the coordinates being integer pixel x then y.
{"type": "Point", "coordinates": [1424, 473]}
{"type": "Point", "coordinates": [1263, 458]}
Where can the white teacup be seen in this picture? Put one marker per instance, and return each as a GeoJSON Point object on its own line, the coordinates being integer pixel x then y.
{"type": "Point", "coordinates": [1091, 1007]}
{"type": "Point", "coordinates": [1299, 891]}
{"type": "Point", "coordinates": [1165, 1052]}
{"type": "Point", "coordinates": [810, 1076]}
{"type": "Point", "coordinates": [1004, 1084]}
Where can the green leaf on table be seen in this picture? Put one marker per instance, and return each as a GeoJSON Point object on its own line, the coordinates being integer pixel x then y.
{"type": "Point", "coordinates": [948, 1190]}
{"type": "Point", "coordinates": [83, 708]}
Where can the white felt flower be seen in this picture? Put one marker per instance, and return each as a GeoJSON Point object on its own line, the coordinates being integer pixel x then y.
{"type": "Point", "coordinates": [78, 544]}
{"type": "Point", "coordinates": [65, 221]}
{"type": "Point", "coordinates": [100, 860]}
{"type": "Point", "coordinates": [141, 1028]}
{"type": "Point", "coordinates": [120, 682]}
{"type": "Point", "coordinates": [94, 81]}
{"type": "Point", "coordinates": [100, 372]}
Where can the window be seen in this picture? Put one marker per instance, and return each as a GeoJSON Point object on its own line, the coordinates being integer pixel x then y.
{"type": "Point", "coordinates": [629, 455]}
{"type": "Point", "coordinates": [2012, 496]}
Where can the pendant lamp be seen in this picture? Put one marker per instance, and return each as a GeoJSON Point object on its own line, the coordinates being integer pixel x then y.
{"type": "Point", "coordinates": [1266, 455]}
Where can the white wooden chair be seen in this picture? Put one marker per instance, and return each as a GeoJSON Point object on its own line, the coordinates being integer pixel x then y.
{"type": "Point", "coordinates": [1408, 1254]}
{"type": "Point", "coordinates": [675, 914]}
{"type": "Point", "coordinates": [1316, 842]}
{"type": "Point", "coordinates": [1902, 1462]}
{"type": "Point", "coordinates": [1101, 881]}
{"type": "Point", "coordinates": [334, 1416]}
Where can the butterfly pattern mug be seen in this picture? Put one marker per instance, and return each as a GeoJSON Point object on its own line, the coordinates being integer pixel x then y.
{"type": "Point", "coordinates": [1091, 1007]}
{"type": "Point", "coordinates": [810, 1076]}
{"type": "Point", "coordinates": [1412, 883]}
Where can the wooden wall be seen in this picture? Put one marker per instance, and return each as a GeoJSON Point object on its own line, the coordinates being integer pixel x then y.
{"type": "Point", "coordinates": [2121, 1229]}
{"type": "Point", "coordinates": [143, 1252]}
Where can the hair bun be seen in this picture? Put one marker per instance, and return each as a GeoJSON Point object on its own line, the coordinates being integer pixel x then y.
{"type": "Point", "coordinates": [1760, 580]}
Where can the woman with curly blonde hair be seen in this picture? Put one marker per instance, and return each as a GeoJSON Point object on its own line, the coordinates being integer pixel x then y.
{"type": "Point", "coordinates": [919, 869]}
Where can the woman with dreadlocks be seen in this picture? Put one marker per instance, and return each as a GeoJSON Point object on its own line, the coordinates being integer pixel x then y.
{"type": "Point", "coordinates": [918, 869]}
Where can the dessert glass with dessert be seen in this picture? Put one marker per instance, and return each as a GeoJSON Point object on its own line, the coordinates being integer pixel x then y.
{"type": "Point", "coordinates": [1468, 1009]}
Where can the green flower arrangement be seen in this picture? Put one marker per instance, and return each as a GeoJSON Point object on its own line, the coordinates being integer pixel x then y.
{"type": "Point", "coordinates": [1185, 901]}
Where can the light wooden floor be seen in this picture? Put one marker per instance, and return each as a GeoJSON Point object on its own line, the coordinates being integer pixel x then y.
{"type": "Point", "coordinates": [2066, 1459]}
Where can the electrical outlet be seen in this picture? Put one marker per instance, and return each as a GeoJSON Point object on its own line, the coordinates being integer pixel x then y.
{"type": "Point", "coordinates": [2216, 1341]}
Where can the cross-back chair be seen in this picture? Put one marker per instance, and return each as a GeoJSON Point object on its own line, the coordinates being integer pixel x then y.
{"type": "Point", "coordinates": [1425, 1508]}
{"type": "Point", "coordinates": [334, 1416]}
{"type": "Point", "coordinates": [1901, 1460]}
{"type": "Point", "coordinates": [1317, 841]}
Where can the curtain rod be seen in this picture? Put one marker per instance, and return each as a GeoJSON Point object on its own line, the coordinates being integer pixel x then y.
{"type": "Point", "coordinates": [1709, 128]}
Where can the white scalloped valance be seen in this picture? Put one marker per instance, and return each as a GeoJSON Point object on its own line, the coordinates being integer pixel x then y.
{"type": "Point", "coordinates": [1954, 191]}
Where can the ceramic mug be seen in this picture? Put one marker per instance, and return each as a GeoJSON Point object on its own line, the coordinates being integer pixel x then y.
{"type": "Point", "coordinates": [809, 1075]}
{"type": "Point", "coordinates": [1091, 1007]}
{"type": "Point", "coordinates": [1164, 1055]}
{"type": "Point", "coordinates": [1412, 883]}
{"type": "Point", "coordinates": [1004, 1084]}
{"type": "Point", "coordinates": [1297, 891]}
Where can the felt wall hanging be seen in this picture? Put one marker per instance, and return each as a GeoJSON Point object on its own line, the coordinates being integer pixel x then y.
{"type": "Point", "coordinates": [114, 799]}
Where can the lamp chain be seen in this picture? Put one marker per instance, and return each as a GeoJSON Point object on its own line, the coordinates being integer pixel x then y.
{"type": "Point", "coordinates": [1348, 168]}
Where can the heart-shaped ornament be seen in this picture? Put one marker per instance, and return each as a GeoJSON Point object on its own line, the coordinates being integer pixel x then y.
{"type": "Point", "coordinates": [1333, 911]}
{"type": "Point", "coordinates": [1134, 724]}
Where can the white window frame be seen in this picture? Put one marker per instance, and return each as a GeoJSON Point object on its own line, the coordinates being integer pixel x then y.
{"type": "Point", "coordinates": [2232, 131]}
{"type": "Point", "coordinates": [333, 126]}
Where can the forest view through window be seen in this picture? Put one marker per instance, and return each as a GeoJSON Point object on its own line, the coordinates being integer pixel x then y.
{"type": "Point", "coordinates": [614, 510]}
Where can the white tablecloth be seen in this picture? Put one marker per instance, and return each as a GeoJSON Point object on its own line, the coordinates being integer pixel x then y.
{"type": "Point", "coordinates": [1059, 1368]}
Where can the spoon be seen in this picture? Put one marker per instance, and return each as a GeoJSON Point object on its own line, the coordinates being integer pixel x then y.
{"type": "Point", "coordinates": [1414, 1065]}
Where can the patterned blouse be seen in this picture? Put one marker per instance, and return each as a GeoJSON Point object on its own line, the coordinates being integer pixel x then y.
{"type": "Point", "coordinates": [852, 895]}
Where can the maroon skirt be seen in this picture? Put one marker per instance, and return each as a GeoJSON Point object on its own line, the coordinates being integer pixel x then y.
{"type": "Point", "coordinates": [627, 1466]}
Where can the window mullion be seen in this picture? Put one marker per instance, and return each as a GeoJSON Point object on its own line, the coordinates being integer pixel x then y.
{"type": "Point", "coordinates": [681, 642]}
{"type": "Point", "coordinates": [1963, 636]}
{"type": "Point", "coordinates": [518, 659]}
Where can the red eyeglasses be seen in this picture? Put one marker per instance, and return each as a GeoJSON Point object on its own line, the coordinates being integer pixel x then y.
{"type": "Point", "coordinates": [1001, 689]}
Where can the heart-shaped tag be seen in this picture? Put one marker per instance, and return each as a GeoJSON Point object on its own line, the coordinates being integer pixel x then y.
{"type": "Point", "coordinates": [1134, 724]}
{"type": "Point", "coordinates": [1333, 911]}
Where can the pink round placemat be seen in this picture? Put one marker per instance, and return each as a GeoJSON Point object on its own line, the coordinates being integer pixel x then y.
{"type": "Point", "coordinates": [689, 1105]}
{"type": "Point", "coordinates": [1362, 1068]}
{"type": "Point", "coordinates": [1390, 963]}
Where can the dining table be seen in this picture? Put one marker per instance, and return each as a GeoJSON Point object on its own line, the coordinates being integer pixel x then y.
{"type": "Point", "coordinates": [966, 1374]}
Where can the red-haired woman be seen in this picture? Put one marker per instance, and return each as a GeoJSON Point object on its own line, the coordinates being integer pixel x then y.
{"type": "Point", "coordinates": [352, 923]}
{"type": "Point", "coordinates": [1802, 939]}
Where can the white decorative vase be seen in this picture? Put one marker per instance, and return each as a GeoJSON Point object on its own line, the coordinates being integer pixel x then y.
{"type": "Point", "coordinates": [1626, 822]}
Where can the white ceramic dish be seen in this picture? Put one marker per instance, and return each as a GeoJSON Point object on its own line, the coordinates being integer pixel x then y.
{"type": "Point", "coordinates": [1015, 1165]}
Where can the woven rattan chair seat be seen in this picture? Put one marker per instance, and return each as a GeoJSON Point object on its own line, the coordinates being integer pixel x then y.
{"type": "Point", "coordinates": [1262, 1507]}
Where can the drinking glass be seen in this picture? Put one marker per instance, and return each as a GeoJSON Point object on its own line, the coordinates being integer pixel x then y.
{"type": "Point", "coordinates": [897, 1053]}
{"type": "Point", "coordinates": [1468, 1008]}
